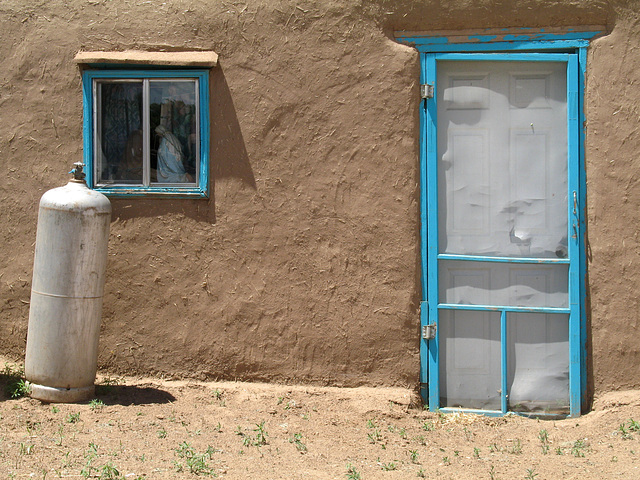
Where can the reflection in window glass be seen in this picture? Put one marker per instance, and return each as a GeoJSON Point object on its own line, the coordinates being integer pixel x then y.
{"type": "Point", "coordinates": [146, 132]}
{"type": "Point", "coordinates": [174, 139]}
{"type": "Point", "coordinates": [119, 150]}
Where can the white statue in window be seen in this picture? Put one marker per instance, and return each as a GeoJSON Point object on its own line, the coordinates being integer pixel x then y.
{"type": "Point", "coordinates": [170, 158]}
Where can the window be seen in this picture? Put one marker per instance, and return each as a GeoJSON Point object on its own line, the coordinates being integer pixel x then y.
{"type": "Point", "coordinates": [146, 131]}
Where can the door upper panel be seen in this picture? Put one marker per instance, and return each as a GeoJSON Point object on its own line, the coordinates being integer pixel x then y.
{"type": "Point", "coordinates": [502, 158]}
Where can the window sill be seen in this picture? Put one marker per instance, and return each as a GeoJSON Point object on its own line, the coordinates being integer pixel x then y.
{"type": "Point", "coordinates": [206, 59]}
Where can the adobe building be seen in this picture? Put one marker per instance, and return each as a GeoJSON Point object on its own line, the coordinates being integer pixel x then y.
{"type": "Point", "coordinates": [441, 195]}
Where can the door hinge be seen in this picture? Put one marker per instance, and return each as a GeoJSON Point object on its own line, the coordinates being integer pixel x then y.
{"type": "Point", "coordinates": [426, 91]}
{"type": "Point", "coordinates": [429, 331]}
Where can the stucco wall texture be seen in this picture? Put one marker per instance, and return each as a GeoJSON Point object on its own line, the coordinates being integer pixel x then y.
{"type": "Point", "coordinates": [303, 266]}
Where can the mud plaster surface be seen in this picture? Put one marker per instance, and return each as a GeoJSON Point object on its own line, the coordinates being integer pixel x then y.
{"type": "Point", "coordinates": [303, 264]}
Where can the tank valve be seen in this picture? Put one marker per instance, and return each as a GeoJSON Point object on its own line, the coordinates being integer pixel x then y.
{"type": "Point", "coordinates": [78, 174]}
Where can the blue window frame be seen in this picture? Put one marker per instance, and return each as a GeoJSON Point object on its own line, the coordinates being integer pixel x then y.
{"type": "Point", "coordinates": [146, 131]}
{"type": "Point", "coordinates": [502, 46]}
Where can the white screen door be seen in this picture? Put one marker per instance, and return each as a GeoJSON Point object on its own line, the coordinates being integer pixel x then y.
{"type": "Point", "coordinates": [502, 239]}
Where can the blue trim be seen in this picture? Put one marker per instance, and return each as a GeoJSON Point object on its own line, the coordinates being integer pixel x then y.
{"type": "Point", "coordinates": [87, 127]}
{"type": "Point", "coordinates": [138, 73]}
{"type": "Point", "coordinates": [432, 236]}
{"type": "Point", "coordinates": [582, 196]}
{"type": "Point", "coordinates": [501, 40]}
{"type": "Point", "coordinates": [201, 190]}
{"type": "Point", "coordinates": [526, 35]}
{"type": "Point", "coordinates": [504, 369]}
{"type": "Point", "coordinates": [560, 45]}
{"type": "Point", "coordinates": [569, 48]}
{"type": "Point", "coordinates": [574, 233]}
{"type": "Point", "coordinates": [424, 306]}
{"type": "Point", "coordinates": [483, 258]}
{"type": "Point", "coordinates": [424, 361]}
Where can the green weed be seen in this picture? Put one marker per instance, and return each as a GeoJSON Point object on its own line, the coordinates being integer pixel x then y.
{"type": "Point", "coordinates": [196, 462]}
{"type": "Point", "coordinates": [428, 426]}
{"type": "Point", "coordinates": [544, 440]}
{"type": "Point", "coordinates": [627, 427]}
{"type": "Point", "coordinates": [297, 441]}
{"type": "Point", "coordinates": [73, 417]}
{"type": "Point", "coordinates": [32, 427]}
{"type": "Point", "coordinates": [96, 404]}
{"type": "Point", "coordinates": [91, 454]}
{"type": "Point", "coordinates": [374, 436]}
{"type": "Point", "coordinates": [109, 472]}
{"type": "Point", "coordinates": [516, 448]}
{"type": "Point", "coordinates": [26, 449]}
{"type": "Point", "coordinates": [531, 475]}
{"type": "Point", "coordinates": [578, 448]}
{"type": "Point", "coordinates": [107, 385]}
{"type": "Point", "coordinates": [16, 386]}
{"type": "Point", "coordinates": [414, 456]}
{"type": "Point", "coordinates": [218, 395]}
{"type": "Point", "coordinates": [261, 434]}
{"type": "Point", "coordinates": [60, 435]}
{"type": "Point", "coordinates": [352, 473]}
{"type": "Point", "coordinates": [492, 473]}
{"type": "Point", "coordinates": [633, 425]}
{"type": "Point", "coordinates": [257, 440]}
{"type": "Point", "coordinates": [388, 467]}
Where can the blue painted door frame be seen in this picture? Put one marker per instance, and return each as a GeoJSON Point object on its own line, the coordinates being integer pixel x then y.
{"type": "Point", "coordinates": [570, 48]}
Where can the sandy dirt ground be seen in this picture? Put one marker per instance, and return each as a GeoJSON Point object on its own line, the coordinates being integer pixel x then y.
{"type": "Point", "coordinates": [153, 429]}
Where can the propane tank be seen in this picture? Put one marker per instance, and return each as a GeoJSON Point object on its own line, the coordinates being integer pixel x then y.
{"type": "Point", "coordinates": [66, 292]}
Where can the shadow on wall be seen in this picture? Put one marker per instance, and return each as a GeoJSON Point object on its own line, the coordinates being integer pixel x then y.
{"type": "Point", "coordinates": [228, 152]}
{"type": "Point", "coordinates": [229, 159]}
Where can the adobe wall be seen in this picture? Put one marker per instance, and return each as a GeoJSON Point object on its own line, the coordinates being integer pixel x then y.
{"type": "Point", "coordinates": [303, 266]}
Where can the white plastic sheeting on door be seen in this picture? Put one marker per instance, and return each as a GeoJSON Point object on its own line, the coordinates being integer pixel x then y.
{"type": "Point", "coordinates": [502, 146]}
{"type": "Point", "coordinates": [470, 359]}
{"type": "Point", "coordinates": [538, 376]}
{"type": "Point", "coordinates": [502, 192]}
{"type": "Point", "coordinates": [515, 285]}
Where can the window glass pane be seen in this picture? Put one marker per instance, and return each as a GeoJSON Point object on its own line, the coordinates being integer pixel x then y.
{"type": "Point", "coordinates": [118, 149]}
{"type": "Point", "coordinates": [174, 133]}
{"type": "Point", "coordinates": [469, 359]}
{"type": "Point", "coordinates": [538, 359]}
{"type": "Point", "coordinates": [503, 284]}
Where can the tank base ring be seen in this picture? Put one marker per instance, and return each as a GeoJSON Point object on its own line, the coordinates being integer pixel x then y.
{"type": "Point", "coordinates": [61, 395]}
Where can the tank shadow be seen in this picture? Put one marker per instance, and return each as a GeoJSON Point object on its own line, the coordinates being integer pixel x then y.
{"type": "Point", "coordinates": [132, 395]}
